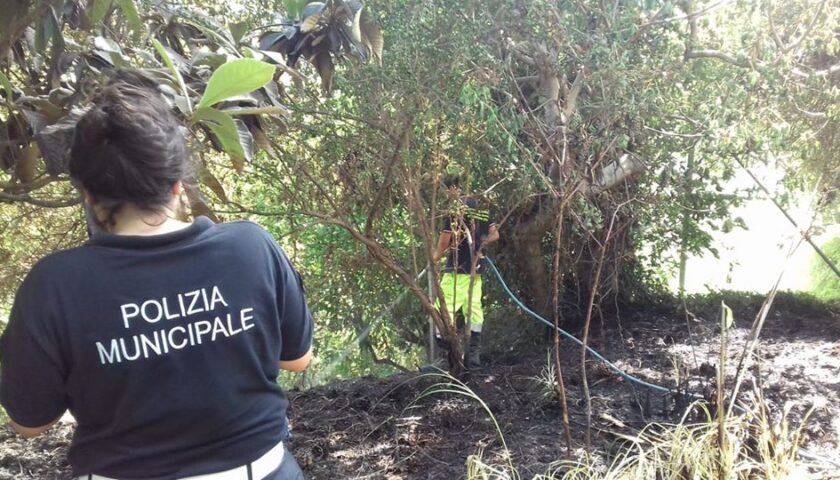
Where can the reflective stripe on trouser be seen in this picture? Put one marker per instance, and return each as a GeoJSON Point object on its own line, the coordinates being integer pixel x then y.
{"type": "Point", "coordinates": [455, 288]}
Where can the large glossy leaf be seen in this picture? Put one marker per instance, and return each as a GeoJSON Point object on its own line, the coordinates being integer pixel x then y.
{"type": "Point", "coordinates": [43, 34]}
{"type": "Point", "coordinates": [226, 131]}
{"type": "Point", "coordinates": [237, 31]}
{"type": "Point", "coordinates": [372, 35]}
{"type": "Point", "coordinates": [98, 9]}
{"type": "Point", "coordinates": [207, 57]}
{"type": "Point", "coordinates": [245, 139]}
{"type": "Point", "coordinates": [106, 45]}
{"type": "Point", "coordinates": [356, 30]}
{"type": "Point", "coordinates": [324, 65]}
{"type": "Point", "coordinates": [167, 60]}
{"type": "Point", "coordinates": [207, 178]}
{"type": "Point", "coordinates": [311, 16]}
{"type": "Point", "coordinates": [130, 10]}
{"type": "Point", "coordinates": [277, 40]}
{"type": "Point", "coordinates": [237, 77]}
{"type": "Point", "coordinates": [198, 205]}
{"type": "Point", "coordinates": [294, 8]}
{"type": "Point", "coordinates": [55, 141]}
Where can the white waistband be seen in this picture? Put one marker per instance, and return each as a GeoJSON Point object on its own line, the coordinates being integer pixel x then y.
{"type": "Point", "coordinates": [260, 468]}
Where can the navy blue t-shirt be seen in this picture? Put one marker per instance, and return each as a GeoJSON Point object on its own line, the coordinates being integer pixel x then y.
{"type": "Point", "coordinates": [165, 348]}
{"type": "Point", "coordinates": [474, 221]}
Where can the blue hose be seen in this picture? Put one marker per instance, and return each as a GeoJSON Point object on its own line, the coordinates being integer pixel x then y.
{"type": "Point", "coordinates": [571, 337]}
{"type": "Point", "coordinates": [620, 372]}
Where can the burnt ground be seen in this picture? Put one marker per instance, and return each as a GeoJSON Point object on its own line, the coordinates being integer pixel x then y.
{"type": "Point", "coordinates": [385, 429]}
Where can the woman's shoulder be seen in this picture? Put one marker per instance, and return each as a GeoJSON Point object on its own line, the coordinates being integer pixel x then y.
{"type": "Point", "coordinates": [245, 228]}
{"type": "Point", "coordinates": [55, 267]}
{"type": "Point", "coordinates": [247, 234]}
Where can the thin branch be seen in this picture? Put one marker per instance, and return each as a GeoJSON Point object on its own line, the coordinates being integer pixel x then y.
{"type": "Point", "coordinates": [401, 144]}
{"type": "Point", "coordinates": [773, 33]}
{"type": "Point", "coordinates": [345, 117]}
{"type": "Point", "coordinates": [585, 337]}
{"type": "Point", "coordinates": [674, 134]}
{"type": "Point", "coordinates": [716, 54]}
{"type": "Point", "coordinates": [813, 115]}
{"type": "Point", "coordinates": [383, 360]}
{"type": "Point", "coordinates": [561, 387]}
{"type": "Point", "coordinates": [688, 15]}
{"type": "Point", "coordinates": [807, 31]}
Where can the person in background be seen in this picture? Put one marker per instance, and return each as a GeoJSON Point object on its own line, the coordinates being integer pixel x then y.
{"type": "Point", "coordinates": [465, 232]}
{"type": "Point", "coordinates": [164, 339]}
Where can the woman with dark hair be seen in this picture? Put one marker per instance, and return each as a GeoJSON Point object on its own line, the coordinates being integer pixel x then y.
{"type": "Point", "coordinates": [164, 339]}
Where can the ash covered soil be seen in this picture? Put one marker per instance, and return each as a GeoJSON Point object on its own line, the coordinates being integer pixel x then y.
{"type": "Point", "coordinates": [386, 429]}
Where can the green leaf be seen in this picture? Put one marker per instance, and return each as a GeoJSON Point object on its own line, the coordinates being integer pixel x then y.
{"type": "Point", "coordinates": [238, 30]}
{"type": "Point", "coordinates": [237, 77]}
{"type": "Point", "coordinates": [130, 10]}
{"type": "Point", "coordinates": [7, 86]}
{"type": "Point", "coordinates": [167, 60]}
{"type": "Point", "coordinates": [207, 178]}
{"type": "Point", "coordinates": [98, 10]}
{"type": "Point", "coordinates": [224, 128]}
{"type": "Point", "coordinates": [294, 8]}
{"type": "Point", "coordinates": [273, 110]}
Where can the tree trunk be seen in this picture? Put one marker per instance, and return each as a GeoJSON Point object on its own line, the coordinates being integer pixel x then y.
{"type": "Point", "coordinates": [527, 251]}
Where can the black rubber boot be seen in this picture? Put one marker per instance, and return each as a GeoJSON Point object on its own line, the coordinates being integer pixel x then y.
{"type": "Point", "coordinates": [475, 350]}
{"type": "Point", "coordinates": [441, 359]}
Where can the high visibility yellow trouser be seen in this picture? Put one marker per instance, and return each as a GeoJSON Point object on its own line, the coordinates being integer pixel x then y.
{"type": "Point", "coordinates": [455, 287]}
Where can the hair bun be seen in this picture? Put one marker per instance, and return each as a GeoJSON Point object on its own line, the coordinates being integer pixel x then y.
{"type": "Point", "coordinates": [95, 126]}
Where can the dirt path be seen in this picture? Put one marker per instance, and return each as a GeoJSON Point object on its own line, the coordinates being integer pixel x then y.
{"type": "Point", "coordinates": [378, 429]}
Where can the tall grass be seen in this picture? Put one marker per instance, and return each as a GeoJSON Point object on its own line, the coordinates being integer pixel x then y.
{"type": "Point", "coordinates": [756, 448]}
{"type": "Point", "coordinates": [477, 469]}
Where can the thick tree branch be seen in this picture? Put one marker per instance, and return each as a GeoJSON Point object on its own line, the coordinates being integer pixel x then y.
{"type": "Point", "coordinates": [817, 73]}
{"type": "Point", "coordinates": [12, 187]}
{"type": "Point", "coordinates": [615, 173]}
{"type": "Point", "coordinates": [25, 198]}
{"type": "Point", "coordinates": [570, 102]}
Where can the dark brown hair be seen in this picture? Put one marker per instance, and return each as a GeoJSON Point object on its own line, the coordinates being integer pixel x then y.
{"type": "Point", "coordinates": [128, 148]}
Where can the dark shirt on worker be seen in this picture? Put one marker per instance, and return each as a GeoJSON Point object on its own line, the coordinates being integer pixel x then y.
{"type": "Point", "coordinates": [470, 219]}
{"type": "Point", "coordinates": [165, 348]}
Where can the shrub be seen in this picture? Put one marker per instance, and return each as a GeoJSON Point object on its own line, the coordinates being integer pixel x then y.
{"type": "Point", "coordinates": [825, 284]}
